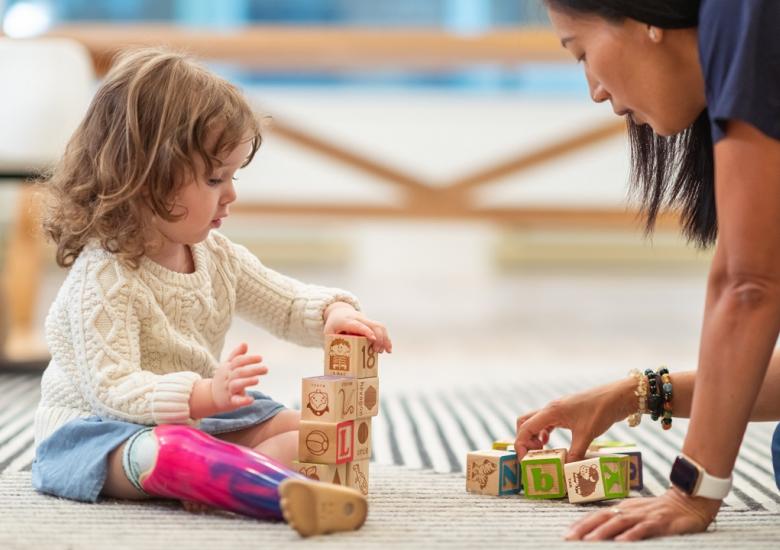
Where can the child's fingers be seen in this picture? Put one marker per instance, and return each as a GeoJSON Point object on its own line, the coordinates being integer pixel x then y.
{"type": "Point", "coordinates": [358, 328]}
{"type": "Point", "coordinates": [241, 349]}
{"type": "Point", "coordinates": [249, 371]}
{"type": "Point", "coordinates": [241, 400]}
{"type": "Point", "coordinates": [237, 387]}
{"type": "Point", "coordinates": [244, 360]}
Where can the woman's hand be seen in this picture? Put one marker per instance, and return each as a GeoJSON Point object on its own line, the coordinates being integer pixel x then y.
{"type": "Point", "coordinates": [342, 318]}
{"type": "Point", "coordinates": [673, 513]}
{"type": "Point", "coordinates": [587, 414]}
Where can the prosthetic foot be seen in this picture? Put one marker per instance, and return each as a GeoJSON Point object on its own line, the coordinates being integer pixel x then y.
{"type": "Point", "coordinates": [183, 463]}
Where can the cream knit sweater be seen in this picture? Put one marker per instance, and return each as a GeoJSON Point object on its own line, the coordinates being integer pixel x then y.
{"type": "Point", "coordinates": [129, 344]}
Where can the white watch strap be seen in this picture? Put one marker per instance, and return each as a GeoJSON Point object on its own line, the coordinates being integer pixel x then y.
{"type": "Point", "coordinates": [712, 487]}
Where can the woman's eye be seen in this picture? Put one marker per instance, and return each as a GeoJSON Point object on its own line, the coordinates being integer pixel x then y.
{"type": "Point", "coordinates": [235, 178]}
{"type": "Point", "coordinates": [581, 58]}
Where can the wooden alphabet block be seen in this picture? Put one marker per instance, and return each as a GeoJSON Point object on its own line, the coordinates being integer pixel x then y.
{"type": "Point", "coordinates": [542, 473]}
{"type": "Point", "coordinates": [635, 474]}
{"type": "Point", "coordinates": [362, 439]}
{"type": "Point", "coordinates": [598, 478]}
{"type": "Point", "coordinates": [330, 473]}
{"type": "Point", "coordinates": [504, 445]}
{"type": "Point", "coordinates": [326, 442]}
{"type": "Point", "coordinates": [351, 356]}
{"type": "Point", "coordinates": [357, 475]}
{"type": "Point", "coordinates": [328, 398]}
{"type": "Point", "coordinates": [367, 397]}
{"type": "Point", "coordinates": [492, 472]}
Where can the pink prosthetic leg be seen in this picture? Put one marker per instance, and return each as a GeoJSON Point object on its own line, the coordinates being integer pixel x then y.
{"type": "Point", "coordinates": [194, 466]}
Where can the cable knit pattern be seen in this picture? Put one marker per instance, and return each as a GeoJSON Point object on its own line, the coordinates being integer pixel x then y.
{"type": "Point", "coordinates": [129, 344]}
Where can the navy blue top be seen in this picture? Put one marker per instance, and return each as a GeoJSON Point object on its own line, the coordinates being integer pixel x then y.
{"type": "Point", "coordinates": [739, 47]}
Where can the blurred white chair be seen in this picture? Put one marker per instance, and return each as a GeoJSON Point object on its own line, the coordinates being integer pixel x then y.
{"type": "Point", "coordinates": [45, 88]}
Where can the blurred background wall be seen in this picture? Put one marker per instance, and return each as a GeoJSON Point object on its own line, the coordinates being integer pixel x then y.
{"type": "Point", "coordinates": [440, 158]}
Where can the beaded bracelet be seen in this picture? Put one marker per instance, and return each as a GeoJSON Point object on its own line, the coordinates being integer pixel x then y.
{"type": "Point", "coordinates": [654, 397]}
{"type": "Point", "coordinates": [640, 392]}
{"type": "Point", "coordinates": [666, 390]}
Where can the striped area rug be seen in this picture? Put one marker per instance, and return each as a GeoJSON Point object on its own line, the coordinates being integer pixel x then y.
{"type": "Point", "coordinates": [434, 430]}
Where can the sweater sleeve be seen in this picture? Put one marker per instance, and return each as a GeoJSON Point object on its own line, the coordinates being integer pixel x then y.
{"type": "Point", "coordinates": [104, 326]}
{"type": "Point", "coordinates": [287, 308]}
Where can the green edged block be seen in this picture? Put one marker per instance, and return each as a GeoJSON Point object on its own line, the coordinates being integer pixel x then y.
{"type": "Point", "coordinates": [635, 467]}
{"type": "Point", "coordinates": [542, 474]}
{"type": "Point", "coordinates": [492, 472]}
{"type": "Point", "coordinates": [597, 478]}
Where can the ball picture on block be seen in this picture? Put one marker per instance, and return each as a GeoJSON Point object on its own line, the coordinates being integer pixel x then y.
{"type": "Point", "coordinates": [542, 473]}
{"type": "Point", "coordinates": [352, 356]}
{"type": "Point", "coordinates": [492, 472]}
{"type": "Point", "coordinates": [326, 442]}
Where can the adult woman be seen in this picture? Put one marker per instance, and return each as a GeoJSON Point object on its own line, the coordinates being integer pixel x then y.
{"type": "Point", "coordinates": [704, 121]}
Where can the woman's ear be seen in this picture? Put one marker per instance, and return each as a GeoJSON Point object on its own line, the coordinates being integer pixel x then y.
{"type": "Point", "coordinates": [656, 34]}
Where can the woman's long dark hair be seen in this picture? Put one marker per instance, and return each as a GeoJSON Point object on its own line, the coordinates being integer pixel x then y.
{"type": "Point", "coordinates": [667, 172]}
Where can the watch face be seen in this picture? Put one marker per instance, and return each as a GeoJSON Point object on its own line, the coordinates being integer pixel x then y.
{"type": "Point", "coordinates": [684, 475]}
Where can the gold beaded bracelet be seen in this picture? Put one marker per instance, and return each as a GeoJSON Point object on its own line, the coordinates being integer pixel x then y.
{"type": "Point", "coordinates": [640, 392]}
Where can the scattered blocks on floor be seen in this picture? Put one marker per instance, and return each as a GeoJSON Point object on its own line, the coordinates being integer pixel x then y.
{"type": "Point", "coordinates": [328, 398]}
{"type": "Point", "coordinates": [543, 474]}
{"type": "Point", "coordinates": [598, 478]}
{"type": "Point", "coordinates": [635, 475]}
{"type": "Point", "coordinates": [357, 475]}
{"type": "Point", "coordinates": [492, 472]}
{"type": "Point", "coordinates": [330, 473]}
{"type": "Point", "coordinates": [351, 356]}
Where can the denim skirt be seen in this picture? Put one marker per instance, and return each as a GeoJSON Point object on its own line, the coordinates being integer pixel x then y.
{"type": "Point", "coordinates": [73, 461]}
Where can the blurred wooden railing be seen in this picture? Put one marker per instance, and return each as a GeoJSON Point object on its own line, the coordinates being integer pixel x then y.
{"type": "Point", "coordinates": [296, 48]}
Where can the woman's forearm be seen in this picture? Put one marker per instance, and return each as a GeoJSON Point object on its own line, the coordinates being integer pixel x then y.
{"type": "Point", "coordinates": [738, 337]}
{"type": "Point", "coordinates": [766, 407]}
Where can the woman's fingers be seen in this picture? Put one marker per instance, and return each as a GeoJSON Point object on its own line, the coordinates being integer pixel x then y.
{"type": "Point", "coordinates": [532, 428]}
{"type": "Point", "coordinates": [588, 524]}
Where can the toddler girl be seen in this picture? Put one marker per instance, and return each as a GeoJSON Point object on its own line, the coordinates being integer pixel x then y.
{"type": "Point", "coordinates": [135, 402]}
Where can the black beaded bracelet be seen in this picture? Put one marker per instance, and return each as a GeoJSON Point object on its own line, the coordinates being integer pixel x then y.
{"type": "Point", "coordinates": [665, 383]}
{"type": "Point", "coordinates": [655, 400]}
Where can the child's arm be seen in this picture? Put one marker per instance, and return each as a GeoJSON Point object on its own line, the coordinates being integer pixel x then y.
{"type": "Point", "coordinates": [287, 308]}
{"type": "Point", "coordinates": [226, 391]}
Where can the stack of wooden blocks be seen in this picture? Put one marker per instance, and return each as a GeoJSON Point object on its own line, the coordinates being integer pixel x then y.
{"type": "Point", "coordinates": [336, 411]}
{"type": "Point", "coordinates": [608, 471]}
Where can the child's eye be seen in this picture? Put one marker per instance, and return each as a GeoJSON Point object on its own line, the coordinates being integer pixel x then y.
{"type": "Point", "coordinates": [214, 181]}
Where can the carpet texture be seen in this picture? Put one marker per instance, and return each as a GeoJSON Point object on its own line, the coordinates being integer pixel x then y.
{"type": "Point", "coordinates": [408, 508]}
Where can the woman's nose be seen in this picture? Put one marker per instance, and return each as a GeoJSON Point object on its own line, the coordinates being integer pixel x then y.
{"type": "Point", "coordinates": [597, 92]}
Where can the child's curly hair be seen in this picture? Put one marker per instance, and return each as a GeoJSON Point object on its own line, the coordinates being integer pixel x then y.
{"type": "Point", "coordinates": [139, 141]}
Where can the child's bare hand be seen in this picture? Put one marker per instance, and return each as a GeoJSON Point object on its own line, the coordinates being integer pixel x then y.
{"type": "Point", "coordinates": [233, 377]}
{"type": "Point", "coordinates": [342, 318]}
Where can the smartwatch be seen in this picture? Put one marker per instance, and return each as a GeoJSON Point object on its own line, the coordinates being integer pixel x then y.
{"type": "Point", "coordinates": [693, 480]}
